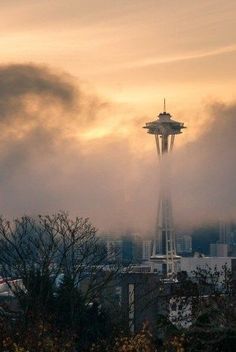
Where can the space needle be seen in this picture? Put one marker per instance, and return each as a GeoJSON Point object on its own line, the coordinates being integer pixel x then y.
{"type": "Point", "coordinates": [164, 128]}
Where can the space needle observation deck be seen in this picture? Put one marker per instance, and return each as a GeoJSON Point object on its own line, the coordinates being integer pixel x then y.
{"type": "Point", "coordinates": [164, 128]}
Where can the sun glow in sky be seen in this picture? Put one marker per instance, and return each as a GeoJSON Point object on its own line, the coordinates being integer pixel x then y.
{"type": "Point", "coordinates": [133, 52]}
{"type": "Point", "coordinates": [121, 57]}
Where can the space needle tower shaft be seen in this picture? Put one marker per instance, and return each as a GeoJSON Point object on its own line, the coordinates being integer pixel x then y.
{"type": "Point", "coordinates": [164, 128]}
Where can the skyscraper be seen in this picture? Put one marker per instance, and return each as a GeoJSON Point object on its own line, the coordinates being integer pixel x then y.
{"type": "Point", "coordinates": [164, 128]}
{"type": "Point", "coordinates": [225, 232]}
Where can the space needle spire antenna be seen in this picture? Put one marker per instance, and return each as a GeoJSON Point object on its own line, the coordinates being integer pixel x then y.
{"type": "Point", "coordinates": [164, 129]}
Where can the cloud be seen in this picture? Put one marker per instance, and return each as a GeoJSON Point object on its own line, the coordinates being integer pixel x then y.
{"type": "Point", "coordinates": [19, 80]}
{"type": "Point", "coordinates": [204, 171]}
{"type": "Point", "coordinates": [150, 61]}
{"type": "Point", "coordinates": [46, 164]}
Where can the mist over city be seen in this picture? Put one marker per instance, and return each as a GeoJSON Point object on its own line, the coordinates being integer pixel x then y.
{"type": "Point", "coordinates": [49, 161]}
{"type": "Point", "coordinates": [117, 176]}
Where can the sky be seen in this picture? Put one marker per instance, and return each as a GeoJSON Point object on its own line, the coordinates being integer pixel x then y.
{"type": "Point", "coordinates": [79, 79]}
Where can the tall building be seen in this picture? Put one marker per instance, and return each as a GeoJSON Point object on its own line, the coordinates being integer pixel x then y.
{"type": "Point", "coordinates": [137, 249]}
{"type": "Point", "coordinates": [125, 249]}
{"type": "Point", "coordinates": [225, 232]}
{"type": "Point", "coordinates": [218, 250]}
{"type": "Point", "coordinates": [146, 250]}
{"type": "Point", "coordinates": [113, 248]}
{"type": "Point", "coordinates": [164, 128]}
{"type": "Point", "coordinates": [183, 244]}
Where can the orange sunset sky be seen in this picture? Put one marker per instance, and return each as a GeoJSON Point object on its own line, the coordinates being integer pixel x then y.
{"type": "Point", "coordinates": [123, 57]}
{"type": "Point", "coordinates": [130, 51]}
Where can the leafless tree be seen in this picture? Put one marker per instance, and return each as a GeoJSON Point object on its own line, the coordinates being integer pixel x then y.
{"type": "Point", "coordinates": [43, 251]}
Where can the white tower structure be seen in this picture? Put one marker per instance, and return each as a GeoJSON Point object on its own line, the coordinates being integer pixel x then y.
{"type": "Point", "coordinates": [164, 247]}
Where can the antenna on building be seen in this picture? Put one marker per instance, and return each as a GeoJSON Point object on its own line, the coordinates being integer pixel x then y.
{"type": "Point", "coordinates": [164, 247]}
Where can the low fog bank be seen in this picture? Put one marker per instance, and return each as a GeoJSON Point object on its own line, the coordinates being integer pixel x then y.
{"type": "Point", "coordinates": [203, 177]}
{"type": "Point", "coordinates": [46, 166]}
